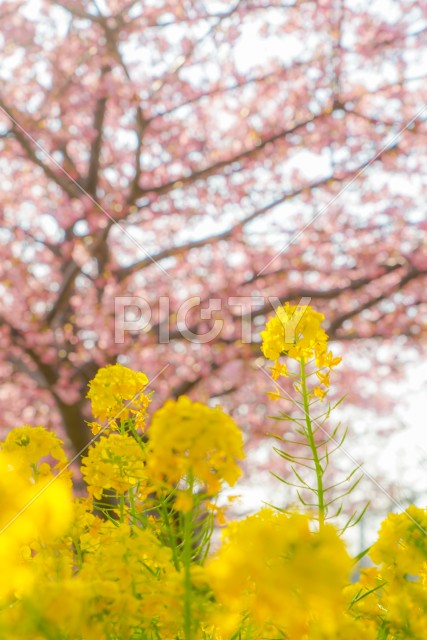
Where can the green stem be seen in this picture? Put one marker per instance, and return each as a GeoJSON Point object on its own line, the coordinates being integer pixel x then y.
{"type": "Point", "coordinates": [122, 507]}
{"type": "Point", "coordinates": [172, 538]}
{"type": "Point", "coordinates": [187, 553]}
{"type": "Point", "coordinates": [312, 443]}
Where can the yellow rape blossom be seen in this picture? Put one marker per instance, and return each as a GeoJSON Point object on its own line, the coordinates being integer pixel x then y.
{"type": "Point", "coordinates": [274, 395]}
{"type": "Point", "coordinates": [134, 583]}
{"type": "Point", "coordinates": [294, 331]}
{"type": "Point", "coordinates": [287, 578]}
{"type": "Point", "coordinates": [116, 462]}
{"type": "Point", "coordinates": [191, 439]}
{"type": "Point", "coordinates": [32, 447]}
{"type": "Point", "coordinates": [117, 394]}
{"type": "Point", "coordinates": [31, 513]}
{"type": "Point", "coordinates": [327, 359]}
{"type": "Point", "coordinates": [278, 370]}
{"type": "Point", "coordinates": [401, 555]}
{"type": "Point", "coordinates": [402, 543]}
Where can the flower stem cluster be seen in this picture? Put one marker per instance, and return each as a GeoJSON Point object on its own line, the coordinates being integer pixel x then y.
{"type": "Point", "coordinates": [132, 559]}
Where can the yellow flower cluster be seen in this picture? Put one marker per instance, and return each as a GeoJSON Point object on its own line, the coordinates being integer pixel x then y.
{"type": "Point", "coordinates": [283, 578]}
{"type": "Point", "coordinates": [191, 439]}
{"type": "Point", "coordinates": [398, 603]}
{"type": "Point", "coordinates": [82, 577]}
{"type": "Point", "coordinates": [117, 395]}
{"type": "Point", "coordinates": [402, 544]}
{"type": "Point", "coordinates": [115, 462]}
{"type": "Point", "coordinates": [296, 332]}
{"type": "Point", "coordinates": [35, 505]}
{"type": "Point", "coordinates": [133, 582]}
{"type": "Point", "coordinates": [32, 448]}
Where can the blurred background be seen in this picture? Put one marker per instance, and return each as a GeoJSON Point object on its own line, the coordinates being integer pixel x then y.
{"type": "Point", "coordinates": [218, 151]}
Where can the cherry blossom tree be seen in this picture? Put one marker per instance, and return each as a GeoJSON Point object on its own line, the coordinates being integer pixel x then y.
{"type": "Point", "coordinates": [227, 151]}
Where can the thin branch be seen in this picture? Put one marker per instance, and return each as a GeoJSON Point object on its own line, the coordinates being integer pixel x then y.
{"type": "Point", "coordinates": [60, 179]}
{"type": "Point", "coordinates": [125, 272]}
{"type": "Point", "coordinates": [222, 164]}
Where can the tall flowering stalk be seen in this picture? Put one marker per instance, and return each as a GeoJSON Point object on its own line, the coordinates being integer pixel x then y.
{"type": "Point", "coordinates": [295, 340]}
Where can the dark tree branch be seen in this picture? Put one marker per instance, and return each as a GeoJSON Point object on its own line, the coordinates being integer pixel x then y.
{"type": "Point", "coordinates": [71, 414]}
{"type": "Point", "coordinates": [336, 324]}
{"type": "Point", "coordinates": [71, 271]}
{"type": "Point", "coordinates": [91, 181]}
{"type": "Point", "coordinates": [188, 385]}
{"type": "Point", "coordinates": [141, 125]}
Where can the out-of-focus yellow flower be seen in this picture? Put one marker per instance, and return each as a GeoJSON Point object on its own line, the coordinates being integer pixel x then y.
{"type": "Point", "coordinates": [274, 395]}
{"type": "Point", "coordinates": [117, 394]}
{"type": "Point", "coordinates": [324, 378]}
{"type": "Point", "coordinates": [402, 542]}
{"type": "Point", "coordinates": [318, 392]}
{"type": "Point", "coordinates": [278, 370]}
{"type": "Point", "coordinates": [32, 513]}
{"type": "Point", "coordinates": [134, 584]}
{"type": "Point", "coordinates": [274, 568]}
{"type": "Point", "coordinates": [327, 359]}
{"type": "Point", "coordinates": [191, 439]}
{"type": "Point", "coordinates": [184, 501]}
{"type": "Point", "coordinates": [219, 512]}
{"type": "Point", "coordinates": [30, 445]}
{"type": "Point", "coordinates": [393, 595]}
